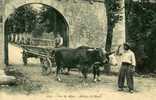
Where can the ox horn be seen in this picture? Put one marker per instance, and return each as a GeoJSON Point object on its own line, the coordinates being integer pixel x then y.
{"type": "Point", "coordinates": [90, 49]}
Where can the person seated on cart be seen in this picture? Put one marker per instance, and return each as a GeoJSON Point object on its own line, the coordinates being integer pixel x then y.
{"type": "Point", "coordinates": [28, 41]}
{"type": "Point", "coordinates": [22, 40]}
{"type": "Point", "coordinates": [58, 41]}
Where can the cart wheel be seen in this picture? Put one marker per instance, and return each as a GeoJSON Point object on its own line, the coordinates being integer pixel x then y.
{"type": "Point", "coordinates": [25, 58]}
{"type": "Point", "coordinates": [53, 62]}
{"type": "Point", "coordinates": [41, 60]}
{"type": "Point", "coordinates": [46, 66]}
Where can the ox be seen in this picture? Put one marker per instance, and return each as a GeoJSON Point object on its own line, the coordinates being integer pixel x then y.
{"type": "Point", "coordinates": [83, 58]}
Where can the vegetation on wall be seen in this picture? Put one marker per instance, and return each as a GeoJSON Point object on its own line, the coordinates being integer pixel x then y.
{"type": "Point", "coordinates": [141, 32]}
{"type": "Point", "coordinates": [113, 8]}
{"type": "Point", "coordinates": [36, 19]}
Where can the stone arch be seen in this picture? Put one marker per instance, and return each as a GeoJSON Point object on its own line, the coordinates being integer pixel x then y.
{"type": "Point", "coordinates": [65, 35]}
{"type": "Point", "coordinates": [87, 22]}
{"type": "Point", "coordinates": [12, 5]}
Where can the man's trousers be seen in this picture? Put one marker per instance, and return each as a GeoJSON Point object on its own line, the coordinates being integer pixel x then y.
{"type": "Point", "coordinates": [126, 71]}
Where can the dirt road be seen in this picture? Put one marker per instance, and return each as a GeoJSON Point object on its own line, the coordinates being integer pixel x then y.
{"type": "Point", "coordinates": [72, 88]}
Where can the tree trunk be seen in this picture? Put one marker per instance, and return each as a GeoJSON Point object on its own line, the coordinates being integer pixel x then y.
{"type": "Point", "coordinates": [118, 36]}
{"type": "Point", "coordinates": [116, 23]}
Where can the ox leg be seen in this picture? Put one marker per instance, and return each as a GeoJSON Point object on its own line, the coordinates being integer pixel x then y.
{"type": "Point", "coordinates": [84, 72]}
{"type": "Point", "coordinates": [58, 72]}
{"type": "Point", "coordinates": [96, 73]}
{"type": "Point", "coordinates": [24, 56]}
{"type": "Point", "coordinates": [68, 70]}
{"type": "Point", "coordinates": [84, 77]}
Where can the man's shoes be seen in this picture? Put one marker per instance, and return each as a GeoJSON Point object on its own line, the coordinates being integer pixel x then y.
{"type": "Point", "coordinates": [131, 91]}
{"type": "Point", "coordinates": [120, 89]}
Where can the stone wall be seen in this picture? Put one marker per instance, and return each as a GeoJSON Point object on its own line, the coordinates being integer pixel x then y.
{"type": "Point", "coordinates": [1, 44]}
{"type": "Point", "coordinates": [87, 22]}
{"type": "Point", "coordinates": [119, 30]}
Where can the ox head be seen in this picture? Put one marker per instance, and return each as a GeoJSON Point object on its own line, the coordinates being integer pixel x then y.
{"type": "Point", "coordinates": [97, 55]}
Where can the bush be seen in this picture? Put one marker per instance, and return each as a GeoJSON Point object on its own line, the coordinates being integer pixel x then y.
{"type": "Point", "coordinates": [141, 23]}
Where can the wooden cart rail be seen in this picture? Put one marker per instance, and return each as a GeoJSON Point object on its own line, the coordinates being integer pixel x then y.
{"type": "Point", "coordinates": [35, 42]}
{"type": "Point", "coordinates": [42, 39]}
{"type": "Point", "coordinates": [42, 42]}
{"type": "Point", "coordinates": [40, 51]}
{"type": "Point", "coordinates": [37, 47]}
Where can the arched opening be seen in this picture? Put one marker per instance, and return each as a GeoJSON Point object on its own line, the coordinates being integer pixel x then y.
{"type": "Point", "coordinates": [34, 20]}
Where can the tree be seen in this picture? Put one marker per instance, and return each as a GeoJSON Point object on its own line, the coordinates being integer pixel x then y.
{"type": "Point", "coordinates": [141, 23]}
{"type": "Point", "coordinates": [115, 17]}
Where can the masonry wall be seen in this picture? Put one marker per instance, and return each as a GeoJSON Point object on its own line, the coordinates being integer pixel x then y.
{"type": "Point", "coordinates": [87, 22]}
{"type": "Point", "coordinates": [1, 46]}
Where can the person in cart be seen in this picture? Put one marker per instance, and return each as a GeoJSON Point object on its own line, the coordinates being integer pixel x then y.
{"type": "Point", "coordinates": [58, 41]}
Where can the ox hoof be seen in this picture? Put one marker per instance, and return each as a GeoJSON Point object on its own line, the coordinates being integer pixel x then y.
{"type": "Point", "coordinates": [59, 79]}
{"type": "Point", "coordinates": [95, 80]}
{"type": "Point", "coordinates": [66, 73]}
{"type": "Point", "coordinates": [98, 79]}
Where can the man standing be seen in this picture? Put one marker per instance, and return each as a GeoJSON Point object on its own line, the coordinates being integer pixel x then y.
{"type": "Point", "coordinates": [58, 41]}
{"type": "Point", "coordinates": [127, 68]}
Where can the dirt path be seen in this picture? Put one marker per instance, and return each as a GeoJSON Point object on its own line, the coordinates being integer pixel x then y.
{"type": "Point", "coordinates": [72, 88]}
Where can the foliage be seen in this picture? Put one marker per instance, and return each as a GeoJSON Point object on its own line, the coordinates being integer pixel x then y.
{"type": "Point", "coordinates": [141, 23]}
{"type": "Point", "coordinates": [113, 8]}
{"type": "Point", "coordinates": [36, 19]}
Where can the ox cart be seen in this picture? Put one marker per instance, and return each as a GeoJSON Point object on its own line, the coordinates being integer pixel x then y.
{"type": "Point", "coordinates": [42, 49]}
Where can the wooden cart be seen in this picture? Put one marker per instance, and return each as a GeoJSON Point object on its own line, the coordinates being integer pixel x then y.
{"type": "Point", "coordinates": [42, 49]}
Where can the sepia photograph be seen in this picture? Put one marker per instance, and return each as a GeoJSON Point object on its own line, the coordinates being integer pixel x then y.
{"type": "Point", "coordinates": [78, 49]}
